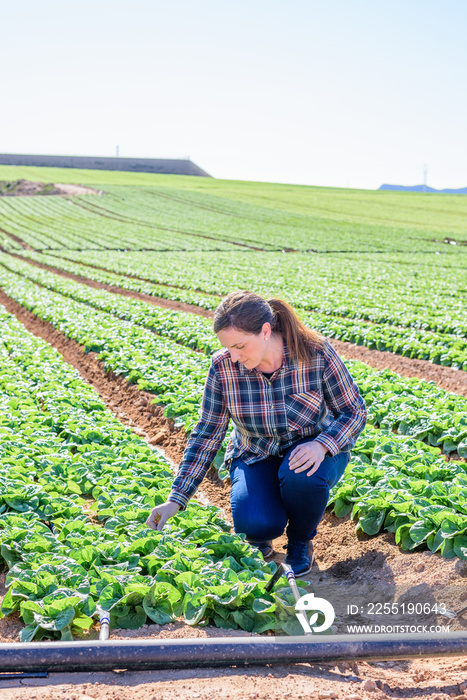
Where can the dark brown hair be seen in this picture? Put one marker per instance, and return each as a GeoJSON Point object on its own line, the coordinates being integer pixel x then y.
{"type": "Point", "coordinates": [247, 312]}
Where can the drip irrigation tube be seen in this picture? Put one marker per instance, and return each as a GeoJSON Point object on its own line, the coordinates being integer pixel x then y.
{"type": "Point", "coordinates": [193, 653]}
{"type": "Point", "coordinates": [105, 626]}
{"type": "Point", "coordinates": [287, 571]}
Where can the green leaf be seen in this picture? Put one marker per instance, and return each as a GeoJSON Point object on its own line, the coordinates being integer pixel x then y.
{"type": "Point", "coordinates": [420, 531]}
{"type": "Point", "coordinates": [28, 633]}
{"type": "Point", "coordinates": [460, 546]}
{"type": "Point", "coordinates": [194, 607]}
{"type": "Point", "coordinates": [134, 618]}
{"type": "Point", "coordinates": [372, 522]}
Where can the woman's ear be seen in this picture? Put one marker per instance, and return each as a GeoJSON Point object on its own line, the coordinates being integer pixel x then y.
{"type": "Point", "coordinates": [266, 330]}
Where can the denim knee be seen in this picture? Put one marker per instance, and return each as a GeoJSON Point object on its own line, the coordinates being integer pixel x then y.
{"type": "Point", "coordinates": [258, 528]}
{"type": "Point", "coordinates": [257, 508]}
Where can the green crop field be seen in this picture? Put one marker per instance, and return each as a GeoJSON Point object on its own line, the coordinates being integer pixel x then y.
{"type": "Point", "coordinates": [384, 270]}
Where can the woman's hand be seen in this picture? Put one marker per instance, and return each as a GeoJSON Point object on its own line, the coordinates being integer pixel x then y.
{"type": "Point", "coordinates": [160, 514]}
{"type": "Point", "coordinates": [308, 455]}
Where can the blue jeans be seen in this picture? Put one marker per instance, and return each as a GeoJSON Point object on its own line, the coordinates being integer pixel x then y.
{"type": "Point", "coordinates": [267, 495]}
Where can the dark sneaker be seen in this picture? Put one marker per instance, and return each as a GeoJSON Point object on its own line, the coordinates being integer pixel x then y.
{"type": "Point", "coordinates": [300, 556]}
{"type": "Point", "coordinates": [265, 548]}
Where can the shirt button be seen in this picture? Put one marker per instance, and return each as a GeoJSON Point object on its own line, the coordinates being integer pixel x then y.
{"type": "Point", "coordinates": [272, 405]}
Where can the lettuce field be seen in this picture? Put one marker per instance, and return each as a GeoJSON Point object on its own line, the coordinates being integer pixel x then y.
{"type": "Point", "coordinates": [130, 276]}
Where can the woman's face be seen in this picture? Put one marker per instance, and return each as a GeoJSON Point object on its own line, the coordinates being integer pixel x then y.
{"type": "Point", "coordinates": [244, 347]}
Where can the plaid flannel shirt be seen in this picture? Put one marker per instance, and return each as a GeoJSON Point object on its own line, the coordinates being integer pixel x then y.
{"type": "Point", "coordinates": [316, 399]}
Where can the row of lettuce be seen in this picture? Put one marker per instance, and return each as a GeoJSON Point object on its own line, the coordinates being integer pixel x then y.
{"type": "Point", "coordinates": [167, 217]}
{"type": "Point", "coordinates": [421, 331]}
{"type": "Point", "coordinates": [128, 334]}
{"type": "Point", "coordinates": [71, 559]}
{"type": "Point", "coordinates": [385, 289]}
{"type": "Point", "coordinates": [404, 486]}
{"type": "Point", "coordinates": [80, 223]}
{"type": "Point", "coordinates": [76, 489]}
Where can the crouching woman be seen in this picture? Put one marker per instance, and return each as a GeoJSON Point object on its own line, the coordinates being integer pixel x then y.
{"type": "Point", "coordinates": [296, 413]}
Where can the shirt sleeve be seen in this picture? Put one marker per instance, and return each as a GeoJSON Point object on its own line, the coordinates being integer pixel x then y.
{"type": "Point", "coordinates": [203, 443]}
{"type": "Point", "coordinates": [342, 397]}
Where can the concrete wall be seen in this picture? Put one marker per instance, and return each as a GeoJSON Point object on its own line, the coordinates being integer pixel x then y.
{"type": "Point", "coordinates": [135, 165]}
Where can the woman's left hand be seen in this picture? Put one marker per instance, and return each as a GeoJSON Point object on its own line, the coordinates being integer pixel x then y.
{"type": "Point", "coordinates": [308, 455]}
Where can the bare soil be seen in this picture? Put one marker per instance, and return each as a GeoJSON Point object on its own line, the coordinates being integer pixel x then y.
{"type": "Point", "coordinates": [447, 378]}
{"type": "Point", "coordinates": [148, 298]}
{"type": "Point", "coordinates": [26, 188]}
{"type": "Point", "coordinates": [342, 556]}
{"type": "Point", "coordinates": [17, 239]}
{"type": "Point", "coordinates": [422, 679]}
{"type": "Point", "coordinates": [68, 189]}
{"type": "Point", "coordinates": [137, 277]}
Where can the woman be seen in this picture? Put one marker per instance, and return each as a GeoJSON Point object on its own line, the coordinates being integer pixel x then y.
{"type": "Point", "coordinates": [296, 413]}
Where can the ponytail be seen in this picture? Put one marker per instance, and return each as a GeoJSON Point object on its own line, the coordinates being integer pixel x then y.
{"type": "Point", "coordinates": [248, 311]}
{"type": "Point", "coordinates": [294, 332]}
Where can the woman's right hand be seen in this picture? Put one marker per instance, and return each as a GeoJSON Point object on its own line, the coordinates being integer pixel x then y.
{"type": "Point", "coordinates": [160, 514]}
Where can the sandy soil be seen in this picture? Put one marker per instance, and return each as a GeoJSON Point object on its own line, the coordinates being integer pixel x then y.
{"type": "Point", "coordinates": [69, 189]}
{"type": "Point", "coordinates": [26, 188]}
{"type": "Point", "coordinates": [342, 558]}
{"type": "Point", "coordinates": [433, 679]}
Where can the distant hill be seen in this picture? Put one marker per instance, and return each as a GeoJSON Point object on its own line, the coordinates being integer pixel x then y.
{"type": "Point", "coordinates": [422, 188]}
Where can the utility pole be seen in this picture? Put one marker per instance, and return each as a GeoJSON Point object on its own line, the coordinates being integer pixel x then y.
{"type": "Point", "coordinates": [117, 151]}
{"type": "Point", "coordinates": [425, 173]}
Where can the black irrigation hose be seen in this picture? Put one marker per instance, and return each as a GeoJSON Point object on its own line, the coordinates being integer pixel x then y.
{"type": "Point", "coordinates": [194, 653]}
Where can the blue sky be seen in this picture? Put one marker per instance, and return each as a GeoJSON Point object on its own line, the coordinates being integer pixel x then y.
{"type": "Point", "coordinates": [341, 93]}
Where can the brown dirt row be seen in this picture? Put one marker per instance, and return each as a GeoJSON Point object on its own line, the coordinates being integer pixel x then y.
{"type": "Point", "coordinates": [22, 243]}
{"type": "Point", "coordinates": [132, 407]}
{"type": "Point", "coordinates": [445, 377]}
{"type": "Point", "coordinates": [134, 277]}
{"type": "Point", "coordinates": [155, 301]}
{"type": "Point", "coordinates": [341, 555]}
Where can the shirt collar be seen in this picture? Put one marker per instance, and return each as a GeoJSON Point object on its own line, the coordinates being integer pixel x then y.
{"type": "Point", "coordinates": [285, 364]}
